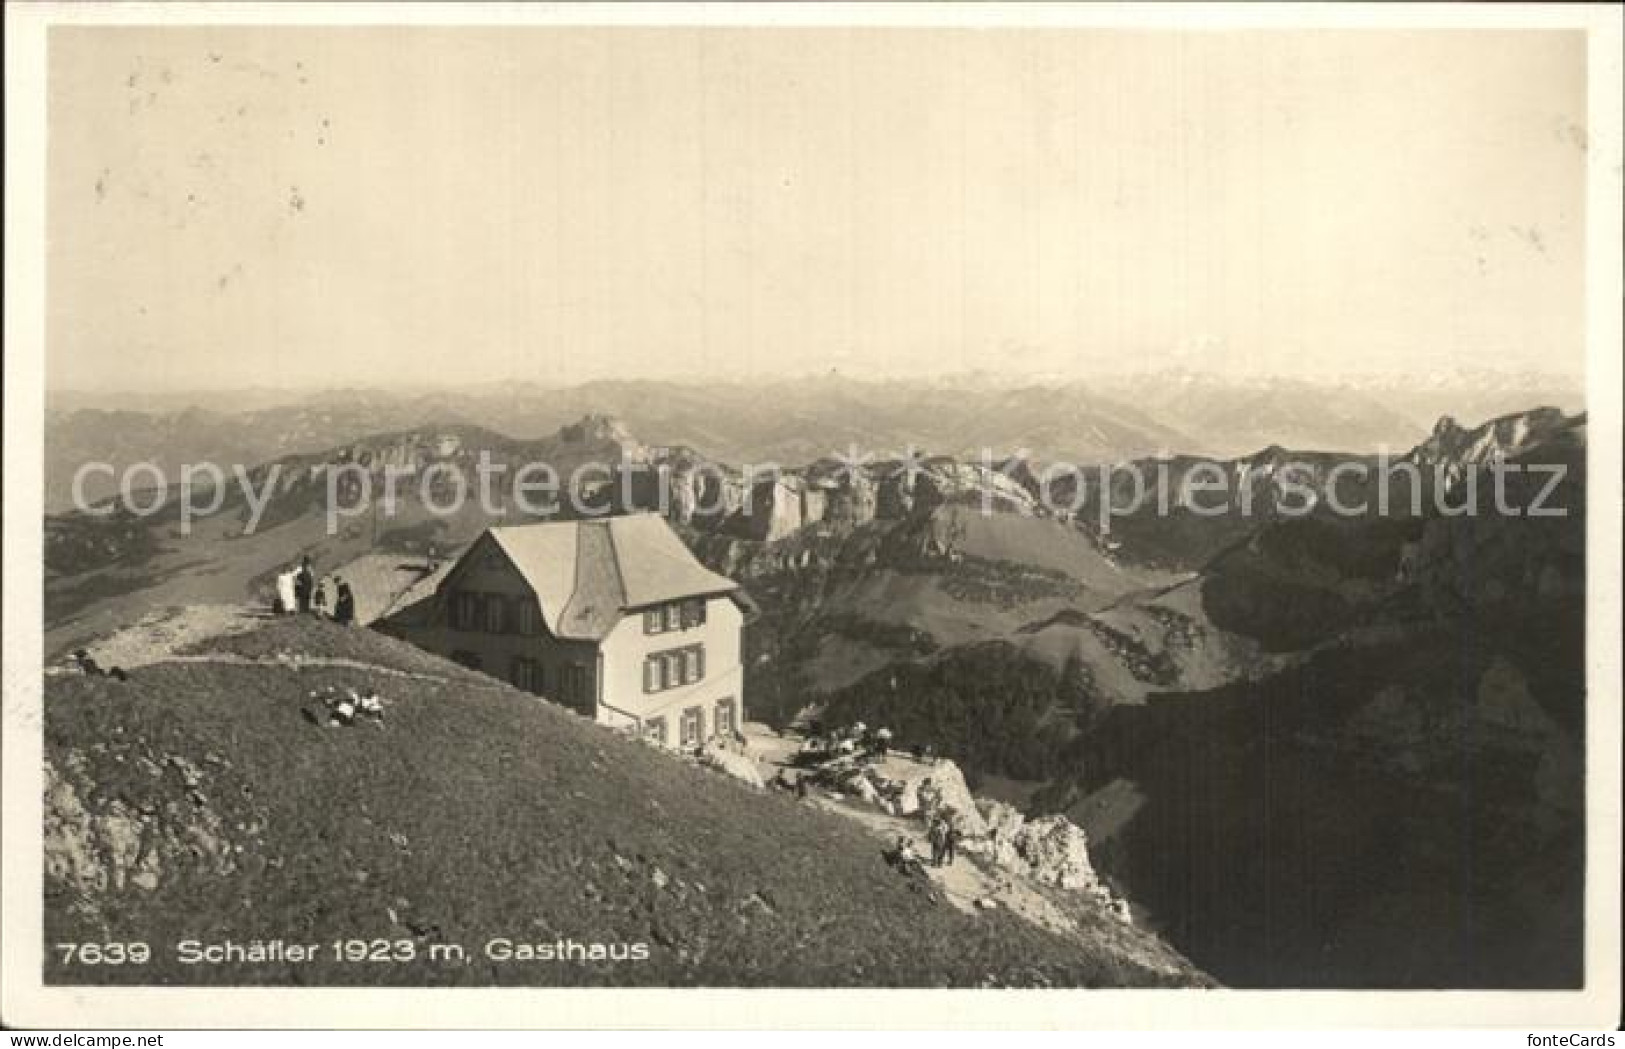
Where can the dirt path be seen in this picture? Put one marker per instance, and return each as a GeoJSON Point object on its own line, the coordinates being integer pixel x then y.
{"type": "Point", "coordinates": [157, 636]}
{"type": "Point", "coordinates": [964, 882]}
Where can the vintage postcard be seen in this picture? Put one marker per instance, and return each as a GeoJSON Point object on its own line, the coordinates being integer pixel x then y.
{"type": "Point", "coordinates": [1111, 512]}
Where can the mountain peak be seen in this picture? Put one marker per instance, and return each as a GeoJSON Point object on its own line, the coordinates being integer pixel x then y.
{"type": "Point", "coordinates": [597, 428]}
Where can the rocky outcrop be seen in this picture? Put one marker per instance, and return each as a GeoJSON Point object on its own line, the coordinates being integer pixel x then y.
{"type": "Point", "coordinates": [940, 788]}
{"type": "Point", "coordinates": [1056, 852]}
{"type": "Point", "coordinates": [108, 846]}
{"type": "Point", "coordinates": [739, 766]}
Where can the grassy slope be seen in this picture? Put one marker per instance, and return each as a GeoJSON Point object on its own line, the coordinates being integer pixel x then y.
{"type": "Point", "coordinates": [480, 812]}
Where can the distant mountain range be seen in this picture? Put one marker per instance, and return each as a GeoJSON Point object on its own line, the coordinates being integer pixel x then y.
{"type": "Point", "coordinates": [796, 420]}
{"type": "Point", "coordinates": [1321, 750]}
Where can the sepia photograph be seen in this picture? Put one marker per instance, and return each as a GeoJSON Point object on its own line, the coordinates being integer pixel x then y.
{"type": "Point", "coordinates": [858, 499]}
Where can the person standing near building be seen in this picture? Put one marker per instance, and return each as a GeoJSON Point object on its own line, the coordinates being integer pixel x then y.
{"type": "Point", "coordinates": [344, 607]}
{"type": "Point", "coordinates": [304, 584]}
{"type": "Point", "coordinates": [286, 600]}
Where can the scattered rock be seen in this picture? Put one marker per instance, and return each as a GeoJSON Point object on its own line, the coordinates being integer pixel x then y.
{"type": "Point", "coordinates": [738, 766]}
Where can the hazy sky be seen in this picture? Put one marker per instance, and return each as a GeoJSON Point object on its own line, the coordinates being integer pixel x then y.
{"type": "Point", "coordinates": [231, 207]}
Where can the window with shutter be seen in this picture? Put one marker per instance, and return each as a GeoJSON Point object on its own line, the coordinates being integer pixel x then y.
{"type": "Point", "coordinates": [651, 621]}
{"type": "Point", "coordinates": [469, 607]}
{"type": "Point", "coordinates": [699, 662]}
{"type": "Point", "coordinates": [577, 685]}
{"type": "Point", "coordinates": [525, 674]}
{"type": "Point", "coordinates": [693, 727]}
{"type": "Point", "coordinates": [529, 619]}
{"type": "Point", "coordinates": [673, 613]}
{"type": "Point", "coordinates": [651, 674]}
{"type": "Point", "coordinates": [496, 614]}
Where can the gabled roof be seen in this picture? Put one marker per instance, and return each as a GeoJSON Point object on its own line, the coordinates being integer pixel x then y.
{"type": "Point", "coordinates": [587, 574]}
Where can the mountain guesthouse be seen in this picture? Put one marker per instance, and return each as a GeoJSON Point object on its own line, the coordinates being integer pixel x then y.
{"type": "Point", "coordinates": [611, 616]}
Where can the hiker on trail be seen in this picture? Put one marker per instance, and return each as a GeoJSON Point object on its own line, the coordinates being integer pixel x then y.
{"type": "Point", "coordinates": [86, 664]}
{"type": "Point", "coordinates": [344, 608]}
{"type": "Point", "coordinates": [318, 601]}
{"type": "Point", "coordinates": [304, 582]}
{"type": "Point", "coordinates": [906, 860]}
{"type": "Point", "coordinates": [937, 835]}
{"type": "Point", "coordinates": [950, 843]}
{"type": "Point", "coordinates": [801, 787]}
{"type": "Point", "coordinates": [882, 741]}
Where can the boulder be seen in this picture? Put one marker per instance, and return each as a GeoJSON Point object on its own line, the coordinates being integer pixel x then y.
{"type": "Point", "coordinates": [738, 766]}
{"type": "Point", "coordinates": [1004, 823]}
{"type": "Point", "coordinates": [931, 789]}
{"type": "Point", "coordinates": [1056, 852]}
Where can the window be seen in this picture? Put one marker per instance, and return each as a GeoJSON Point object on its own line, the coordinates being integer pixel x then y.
{"type": "Point", "coordinates": [676, 615]}
{"type": "Point", "coordinates": [465, 611]}
{"type": "Point", "coordinates": [527, 617]}
{"type": "Point", "coordinates": [655, 730]}
{"type": "Point", "coordinates": [527, 674]}
{"type": "Point", "coordinates": [692, 727]}
{"type": "Point", "coordinates": [674, 667]}
{"type": "Point", "coordinates": [725, 717]}
{"type": "Point", "coordinates": [496, 614]}
{"type": "Point", "coordinates": [577, 684]}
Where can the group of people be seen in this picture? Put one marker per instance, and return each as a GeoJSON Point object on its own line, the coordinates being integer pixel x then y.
{"type": "Point", "coordinates": [858, 738]}
{"type": "Point", "coordinates": [944, 835]}
{"type": "Point", "coordinates": [87, 665]}
{"type": "Point", "coordinates": [345, 707]}
{"type": "Point", "coordinates": [298, 590]}
{"type": "Point", "coordinates": [798, 785]}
